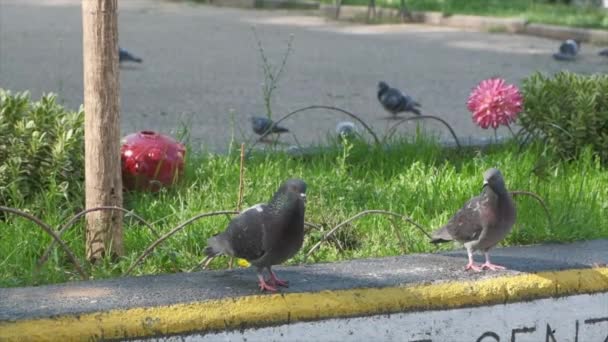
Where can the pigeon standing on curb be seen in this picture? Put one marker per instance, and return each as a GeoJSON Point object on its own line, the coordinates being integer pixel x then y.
{"type": "Point", "coordinates": [604, 53]}
{"type": "Point", "coordinates": [264, 126]}
{"type": "Point", "coordinates": [266, 234]}
{"type": "Point", "coordinates": [483, 221]}
{"type": "Point", "coordinates": [395, 102]}
{"type": "Point", "coordinates": [568, 50]}
{"type": "Point", "coordinates": [126, 56]}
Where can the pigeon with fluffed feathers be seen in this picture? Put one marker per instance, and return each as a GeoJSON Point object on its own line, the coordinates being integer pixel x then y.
{"type": "Point", "coordinates": [266, 234]}
{"type": "Point", "coordinates": [568, 50]}
{"type": "Point", "coordinates": [482, 222]}
{"type": "Point", "coordinates": [346, 129]}
{"type": "Point", "coordinates": [395, 101]}
{"type": "Point", "coordinates": [263, 126]}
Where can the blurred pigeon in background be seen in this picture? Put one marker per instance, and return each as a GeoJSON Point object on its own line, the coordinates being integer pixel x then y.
{"type": "Point", "coordinates": [266, 234]}
{"type": "Point", "coordinates": [263, 126]}
{"type": "Point", "coordinates": [568, 50]}
{"type": "Point", "coordinates": [295, 151]}
{"type": "Point", "coordinates": [126, 56]}
{"type": "Point", "coordinates": [483, 221]}
{"type": "Point", "coordinates": [604, 53]}
{"type": "Point", "coordinates": [346, 129]}
{"type": "Point", "coordinates": [394, 101]}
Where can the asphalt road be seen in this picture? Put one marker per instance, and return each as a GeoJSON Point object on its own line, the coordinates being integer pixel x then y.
{"type": "Point", "coordinates": [129, 292]}
{"type": "Point", "coordinates": [201, 64]}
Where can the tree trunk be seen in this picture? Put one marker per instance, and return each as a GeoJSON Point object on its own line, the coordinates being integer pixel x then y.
{"type": "Point", "coordinates": [102, 127]}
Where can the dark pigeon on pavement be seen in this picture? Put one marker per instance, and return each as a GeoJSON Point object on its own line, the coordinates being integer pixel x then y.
{"type": "Point", "coordinates": [266, 234]}
{"type": "Point", "coordinates": [604, 53]}
{"type": "Point", "coordinates": [568, 50]}
{"type": "Point", "coordinates": [263, 126]}
{"type": "Point", "coordinates": [395, 101]}
{"type": "Point", "coordinates": [126, 56]}
{"type": "Point", "coordinates": [483, 221]}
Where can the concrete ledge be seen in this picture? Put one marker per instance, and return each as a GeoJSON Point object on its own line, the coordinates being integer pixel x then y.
{"type": "Point", "coordinates": [268, 4]}
{"type": "Point", "coordinates": [348, 12]}
{"type": "Point", "coordinates": [234, 3]}
{"type": "Point", "coordinates": [223, 300]}
{"type": "Point", "coordinates": [560, 32]}
{"type": "Point", "coordinates": [511, 25]}
{"type": "Point", "coordinates": [288, 4]}
{"type": "Point", "coordinates": [481, 23]}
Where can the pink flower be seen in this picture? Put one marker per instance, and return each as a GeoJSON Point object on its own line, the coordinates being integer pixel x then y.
{"type": "Point", "coordinates": [494, 103]}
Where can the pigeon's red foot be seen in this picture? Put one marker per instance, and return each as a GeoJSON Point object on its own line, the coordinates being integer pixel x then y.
{"type": "Point", "coordinates": [472, 266]}
{"type": "Point", "coordinates": [493, 267]}
{"type": "Point", "coordinates": [265, 287]}
{"type": "Point", "coordinates": [274, 280]}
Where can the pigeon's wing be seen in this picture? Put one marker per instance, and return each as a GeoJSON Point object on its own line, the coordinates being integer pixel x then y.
{"type": "Point", "coordinates": [392, 99]}
{"type": "Point", "coordinates": [568, 48]}
{"type": "Point", "coordinates": [466, 225]}
{"type": "Point", "coordinates": [410, 105]}
{"type": "Point", "coordinates": [122, 54]}
{"type": "Point", "coordinates": [260, 125]}
{"type": "Point", "coordinates": [245, 233]}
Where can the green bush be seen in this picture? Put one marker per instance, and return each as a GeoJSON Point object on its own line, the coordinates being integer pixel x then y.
{"type": "Point", "coordinates": [41, 150]}
{"type": "Point", "coordinates": [568, 111]}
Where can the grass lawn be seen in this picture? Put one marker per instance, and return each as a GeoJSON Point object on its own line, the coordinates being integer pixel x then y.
{"type": "Point", "coordinates": [533, 11]}
{"type": "Point", "coordinates": [419, 179]}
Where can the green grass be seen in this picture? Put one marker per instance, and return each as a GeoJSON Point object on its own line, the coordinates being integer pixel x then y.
{"type": "Point", "coordinates": [533, 11]}
{"type": "Point", "coordinates": [420, 179]}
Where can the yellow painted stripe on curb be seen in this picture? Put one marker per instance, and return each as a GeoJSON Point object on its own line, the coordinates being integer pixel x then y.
{"type": "Point", "coordinates": [260, 310]}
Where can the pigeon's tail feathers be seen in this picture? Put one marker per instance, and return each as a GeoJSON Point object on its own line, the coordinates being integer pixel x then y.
{"type": "Point", "coordinates": [215, 246]}
{"type": "Point", "coordinates": [131, 58]}
{"type": "Point", "coordinates": [441, 235]}
{"type": "Point", "coordinates": [126, 56]}
{"type": "Point", "coordinates": [415, 110]}
{"type": "Point", "coordinates": [279, 129]}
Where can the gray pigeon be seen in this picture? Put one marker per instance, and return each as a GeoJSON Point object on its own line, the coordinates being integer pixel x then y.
{"type": "Point", "coordinates": [264, 126]}
{"type": "Point", "coordinates": [568, 50]}
{"type": "Point", "coordinates": [266, 234]}
{"type": "Point", "coordinates": [346, 129]}
{"type": "Point", "coordinates": [604, 53]}
{"type": "Point", "coordinates": [126, 56]}
{"type": "Point", "coordinates": [483, 221]}
{"type": "Point", "coordinates": [394, 101]}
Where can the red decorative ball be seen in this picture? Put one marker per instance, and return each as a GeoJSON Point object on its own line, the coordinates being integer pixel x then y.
{"type": "Point", "coordinates": [151, 161]}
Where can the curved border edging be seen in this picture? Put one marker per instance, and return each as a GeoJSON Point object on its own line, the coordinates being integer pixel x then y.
{"type": "Point", "coordinates": [264, 310]}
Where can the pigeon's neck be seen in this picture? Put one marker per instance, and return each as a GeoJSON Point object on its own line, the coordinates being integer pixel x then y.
{"type": "Point", "coordinates": [498, 197]}
{"type": "Point", "coordinates": [282, 202]}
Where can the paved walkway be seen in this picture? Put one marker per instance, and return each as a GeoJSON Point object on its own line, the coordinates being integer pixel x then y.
{"type": "Point", "coordinates": [201, 62]}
